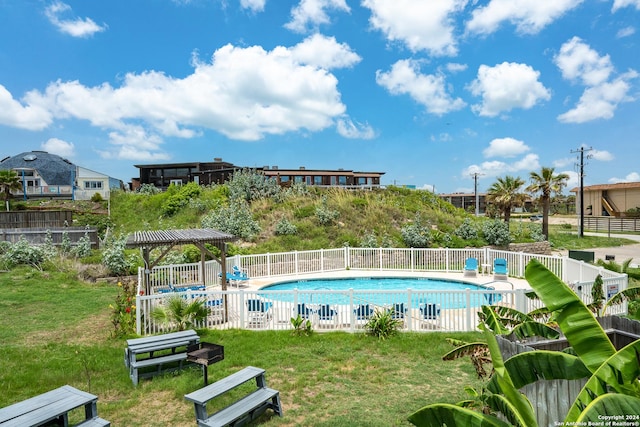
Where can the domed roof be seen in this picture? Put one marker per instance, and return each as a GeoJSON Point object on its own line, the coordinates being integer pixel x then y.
{"type": "Point", "coordinates": [52, 168]}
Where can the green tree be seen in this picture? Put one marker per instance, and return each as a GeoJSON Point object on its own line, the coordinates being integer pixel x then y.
{"type": "Point", "coordinates": [506, 194]}
{"type": "Point", "coordinates": [546, 183]}
{"type": "Point", "coordinates": [180, 314]}
{"type": "Point", "coordinates": [9, 181]}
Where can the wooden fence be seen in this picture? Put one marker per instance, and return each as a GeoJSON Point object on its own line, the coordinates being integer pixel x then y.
{"type": "Point", "coordinates": [612, 225]}
{"type": "Point", "coordinates": [38, 236]}
{"type": "Point", "coordinates": [35, 219]}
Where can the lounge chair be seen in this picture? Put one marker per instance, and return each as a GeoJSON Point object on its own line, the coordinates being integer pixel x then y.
{"type": "Point", "coordinates": [362, 313]}
{"type": "Point", "coordinates": [304, 311]}
{"type": "Point", "coordinates": [327, 316]}
{"type": "Point", "coordinates": [259, 313]}
{"type": "Point", "coordinates": [500, 270]}
{"type": "Point", "coordinates": [237, 276]}
{"type": "Point", "coordinates": [470, 267]}
{"type": "Point", "coordinates": [430, 315]}
{"type": "Point", "coordinates": [399, 312]}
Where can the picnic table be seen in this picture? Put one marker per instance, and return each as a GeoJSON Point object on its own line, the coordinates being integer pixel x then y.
{"type": "Point", "coordinates": [55, 406]}
{"type": "Point", "coordinates": [160, 352]}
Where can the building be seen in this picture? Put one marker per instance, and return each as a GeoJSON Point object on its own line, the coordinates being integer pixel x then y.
{"type": "Point", "coordinates": [466, 201]}
{"type": "Point", "coordinates": [217, 172]}
{"type": "Point", "coordinates": [612, 200]}
{"type": "Point", "coordinates": [46, 175]}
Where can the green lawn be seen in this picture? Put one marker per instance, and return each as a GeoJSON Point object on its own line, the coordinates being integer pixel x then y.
{"type": "Point", "coordinates": [56, 330]}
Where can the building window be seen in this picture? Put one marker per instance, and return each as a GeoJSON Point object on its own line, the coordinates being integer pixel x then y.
{"type": "Point", "coordinates": [342, 180]}
{"type": "Point", "coordinates": [298, 178]}
{"type": "Point", "coordinates": [93, 185]}
{"type": "Point", "coordinates": [317, 180]}
{"type": "Point", "coordinates": [284, 179]}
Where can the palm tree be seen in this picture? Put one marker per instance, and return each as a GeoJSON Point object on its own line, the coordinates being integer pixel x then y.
{"type": "Point", "coordinates": [505, 194]}
{"type": "Point", "coordinates": [546, 183]}
{"type": "Point", "coordinates": [9, 181]}
{"type": "Point", "coordinates": [180, 314]}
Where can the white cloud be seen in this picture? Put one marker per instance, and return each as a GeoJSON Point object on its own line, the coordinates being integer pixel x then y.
{"type": "Point", "coordinates": [577, 61]}
{"type": "Point", "coordinates": [453, 67]}
{"type": "Point", "coordinates": [243, 93]}
{"type": "Point", "coordinates": [348, 129]}
{"type": "Point", "coordinates": [427, 89]}
{"type": "Point", "coordinates": [599, 102]}
{"type": "Point", "coordinates": [59, 147]}
{"type": "Point", "coordinates": [13, 113]}
{"type": "Point", "coordinates": [313, 13]}
{"type": "Point", "coordinates": [632, 177]}
{"type": "Point", "coordinates": [574, 179]}
{"type": "Point", "coordinates": [324, 52]}
{"type": "Point", "coordinates": [507, 86]}
{"type": "Point", "coordinates": [561, 163]}
{"type": "Point", "coordinates": [495, 168]}
{"type": "Point", "coordinates": [619, 4]}
{"type": "Point", "coordinates": [420, 25]}
{"type": "Point", "coordinates": [76, 27]}
{"type": "Point", "coordinates": [529, 16]}
{"type": "Point", "coordinates": [625, 32]}
{"type": "Point", "coordinates": [253, 5]}
{"type": "Point", "coordinates": [505, 147]}
{"type": "Point", "coordinates": [602, 155]}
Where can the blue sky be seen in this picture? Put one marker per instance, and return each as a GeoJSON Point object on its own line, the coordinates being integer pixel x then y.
{"type": "Point", "coordinates": [429, 92]}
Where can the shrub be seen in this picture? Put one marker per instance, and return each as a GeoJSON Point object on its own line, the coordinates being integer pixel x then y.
{"type": "Point", "coordinates": [149, 189]}
{"type": "Point", "coordinates": [285, 227]}
{"type": "Point", "coordinates": [114, 257]}
{"type": "Point", "coordinates": [83, 247]}
{"type": "Point", "coordinates": [248, 185]}
{"type": "Point", "coordinates": [325, 215]}
{"type": "Point", "coordinates": [496, 232]}
{"type": "Point", "coordinates": [382, 324]}
{"type": "Point", "coordinates": [234, 219]}
{"type": "Point", "coordinates": [123, 311]}
{"type": "Point", "coordinates": [22, 252]}
{"type": "Point", "coordinates": [369, 240]}
{"type": "Point", "coordinates": [97, 198]}
{"type": "Point", "coordinates": [301, 326]}
{"type": "Point", "coordinates": [467, 230]}
{"type": "Point", "coordinates": [416, 235]}
{"type": "Point", "coordinates": [180, 198]}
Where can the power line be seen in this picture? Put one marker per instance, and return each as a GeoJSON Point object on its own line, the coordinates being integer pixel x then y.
{"type": "Point", "coordinates": [475, 176]}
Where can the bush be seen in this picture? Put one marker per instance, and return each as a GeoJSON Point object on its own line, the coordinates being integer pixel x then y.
{"type": "Point", "coordinates": [382, 324]}
{"type": "Point", "coordinates": [24, 253]}
{"type": "Point", "coordinates": [467, 230]}
{"type": "Point", "coordinates": [325, 215]}
{"type": "Point", "coordinates": [234, 219]}
{"type": "Point", "coordinates": [496, 232]}
{"type": "Point", "coordinates": [180, 198]}
{"type": "Point", "coordinates": [149, 189]}
{"type": "Point", "coordinates": [123, 311]}
{"type": "Point", "coordinates": [369, 240]}
{"type": "Point", "coordinates": [114, 257]}
{"type": "Point", "coordinates": [416, 235]}
{"type": "Point", "coordinates": [284, 227]}
{"type": "Point", "coordinates": [97, 198]}
{"type": "Point", "coordinates": [83, 248]}
{"type": "Point", "coordinates": [249, 185]}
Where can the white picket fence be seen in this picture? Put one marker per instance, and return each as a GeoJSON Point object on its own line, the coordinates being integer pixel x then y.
{"type": "Point", "coordinates": [457, 309]}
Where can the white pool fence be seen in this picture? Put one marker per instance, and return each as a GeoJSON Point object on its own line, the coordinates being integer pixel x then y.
{"type": "Point", "coordinates": [417, 310]}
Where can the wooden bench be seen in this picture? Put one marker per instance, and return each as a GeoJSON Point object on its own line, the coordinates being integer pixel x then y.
{"type": "Point", "coordinates": [244, 410]}
{"type": "Point", "coordinates": [53, 406]}
{"type": "Point", "coordinates": [165, 352]}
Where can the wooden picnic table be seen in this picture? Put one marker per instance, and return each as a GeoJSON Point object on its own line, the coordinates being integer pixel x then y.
{"type": "Point", "coordinates": [53, 405]}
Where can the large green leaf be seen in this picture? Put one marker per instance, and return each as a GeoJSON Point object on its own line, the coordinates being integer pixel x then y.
{"type": "Point", "coordinates": [615, 406]}
{"type": "Point", "coordinates": [466, 349]}
{"type": "Point", "coordinates": [619, 373]}
{"type": "Point", "coordinates": [442, 414]}
{"type": "Point", "coordinates": [492, 320]}
{"type": "Point", "coordinates": [531, 366]}
{"type": "Point", "coordinates": [624, 295]}
{"type": "Point", "coordinates": [535, 329]}
{"type": "Point", "coordinates": [511, 316]}
{"type": "Point", "coordinates": [520, 410]}
{"type": "Point", "coordinates": [578, 324]}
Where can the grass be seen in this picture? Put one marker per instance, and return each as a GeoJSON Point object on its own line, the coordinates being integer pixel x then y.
{"type": "Point", "coordinates": [56, 330]}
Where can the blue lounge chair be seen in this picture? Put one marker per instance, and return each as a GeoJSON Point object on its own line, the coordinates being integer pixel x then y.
{"type": "Point", "coordinates": [430, 315]}
{"type": "Point", "coordinates": [398, 311]}
{"type": "Point", "coordinates": [327, 316]}
{"type": "Point", "coordinates": [470, 267]}
{"type": "Point", "coordinates": [500, 270]}
{"type": "Point", "coordinates": [304, 311]}
{"type": "Point", "coordinates": [362, 314]}
{"type": "Point", "coordinates": [259, 313]}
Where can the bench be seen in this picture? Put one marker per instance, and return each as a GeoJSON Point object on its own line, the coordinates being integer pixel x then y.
{"type": "Point", "coordinates": [53, 406]}
{"type": "Point", "coordinates": [244, 410]}
{"type": "Point", "coordinates": [166, 352]}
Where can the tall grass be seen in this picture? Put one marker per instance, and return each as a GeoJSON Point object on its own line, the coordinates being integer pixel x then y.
{"type": "Point", "coordinates": [56, 331]}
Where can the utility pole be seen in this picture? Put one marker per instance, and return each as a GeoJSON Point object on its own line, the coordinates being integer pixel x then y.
{"type": "Point", "coordinates": [581, 150]}
{"type": "Point", "coordinates": [475, 176]}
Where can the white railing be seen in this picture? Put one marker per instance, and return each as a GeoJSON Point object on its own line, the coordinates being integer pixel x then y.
{"type": "Point", "coordinates": [458, 308]}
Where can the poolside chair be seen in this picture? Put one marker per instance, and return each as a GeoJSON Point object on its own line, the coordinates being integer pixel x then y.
{"type": "Point", "coordinates": [399, 312]}
{"type": "Point", "coordinates": [237, 276]}
{"type": "Point", "coordinates": [500, 271]}
{"type": "Point", "coordinates": [259, 313]}
{"type": "Point", "coordinates": [430, 315]}
{"type": "Point", "coordinates": [304, 311]}
{"type": "Point", "coordinates": [327, 316]}
{"type": "Point", "coordinates": [470, 267]}
{"type": "Point", "coordinates": [362, 314]}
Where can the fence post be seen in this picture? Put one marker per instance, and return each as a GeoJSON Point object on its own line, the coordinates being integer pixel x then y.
{"type": "Point", "coordinates": [380, 258]}
{"type": "Point", "coordinates": [346, 257]}
{"type": "Point", "coordinates": [413, 259]}
{"type": "Point", "coordinates": [409, 313]}
{"type": "Point", "coordinates": [295, 257]}
{"type": "Point", "coordinates": [322, 260]}
{"type": "Point", "coordinates": [446, 255]}
{"type": "Point", "coordinates": [268, 264]}
{"type": "Point", "coordinates": [468, 310]}
{"type": "Point", "coordinates": [351, 311]}
{"type": "Point", "coordinates": [521, 300]}
{"type": "Point", "coordinates": [521, 264]}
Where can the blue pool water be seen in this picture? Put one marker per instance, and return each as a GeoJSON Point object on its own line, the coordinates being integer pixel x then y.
{"type": "Point", "coordinates": [446, 293]}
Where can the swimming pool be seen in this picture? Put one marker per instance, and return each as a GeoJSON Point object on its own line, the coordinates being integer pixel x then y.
{"type": "Point", "coordinates": [382, 291]}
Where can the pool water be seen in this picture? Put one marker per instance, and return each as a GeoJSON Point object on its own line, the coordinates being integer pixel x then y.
{"type": "Point", "coordinates": [381, 291]}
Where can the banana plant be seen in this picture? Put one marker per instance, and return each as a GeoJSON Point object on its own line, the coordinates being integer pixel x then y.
{"type": "Point", "coordinates": [613, 387]}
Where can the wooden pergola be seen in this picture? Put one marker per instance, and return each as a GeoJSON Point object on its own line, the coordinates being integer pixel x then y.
{"type": "Point", "coordinates": [167, 239]}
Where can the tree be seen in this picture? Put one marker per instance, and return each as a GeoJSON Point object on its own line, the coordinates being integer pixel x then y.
{"type": "Point", "coordinates": [546, 183]}
{"type": "Point", "coordinates": [505, 194]}
{"type": "Point", "coordinates": [9, 181]}
{"type": "Point", "coordinates": [180, 314]}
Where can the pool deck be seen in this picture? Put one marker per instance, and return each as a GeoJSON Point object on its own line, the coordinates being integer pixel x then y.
{"type": "Point", "coordinates": [480, 279]}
